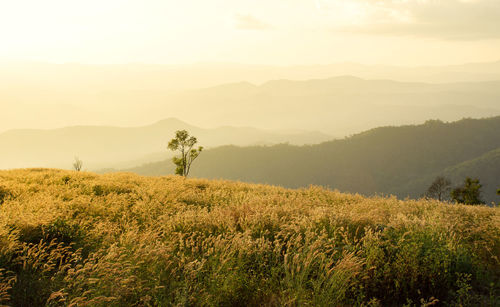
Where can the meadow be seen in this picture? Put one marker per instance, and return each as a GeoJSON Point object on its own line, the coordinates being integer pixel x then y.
{"type": "Point", "coordinates": [81, 239]}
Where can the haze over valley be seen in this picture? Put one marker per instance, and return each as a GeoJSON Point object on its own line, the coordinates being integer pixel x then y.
{"type": "Point", "coordinates": [120, 117]}
{"type": "Point", "coordinates": [250, 153]}
{"type": "Point", "coordinates": [57, 95]}
{"type": "Point", "coordinates": [108, 147]}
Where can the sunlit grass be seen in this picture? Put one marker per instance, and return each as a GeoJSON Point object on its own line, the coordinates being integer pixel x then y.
{"type": "Point", "coordinates": [81, 239]}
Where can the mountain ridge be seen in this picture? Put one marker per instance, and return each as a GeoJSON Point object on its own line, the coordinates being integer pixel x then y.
{"type": "Point", "coordinates": [393, 160]}
{"type": "Point", "coordinates": [101, 146]}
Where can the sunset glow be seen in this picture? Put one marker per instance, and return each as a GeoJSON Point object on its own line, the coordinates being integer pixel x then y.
{"type": "Point", "coordinates": [182, 32]}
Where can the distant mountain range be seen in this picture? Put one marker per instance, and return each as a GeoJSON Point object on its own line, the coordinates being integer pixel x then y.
{"type": "Point", "coordinates": [341, 105]}
{"type": "Point", "coordinates": [338, 106]}
{"type": "Point", "coordinates": [48, 95]}
{"type": "Point", "coordinates": [101, 146]}
{"type": "Point", "coordinates": [389, 160]}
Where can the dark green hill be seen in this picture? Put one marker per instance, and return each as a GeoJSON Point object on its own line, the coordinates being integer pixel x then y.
{"type": "Point", "coordinates": [486, 168]}
{"type": "Point", "coordinates": [388, 160]}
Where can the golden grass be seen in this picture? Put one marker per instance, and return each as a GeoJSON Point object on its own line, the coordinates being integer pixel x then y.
{"type": "Point", "coordinates": [81, 239]}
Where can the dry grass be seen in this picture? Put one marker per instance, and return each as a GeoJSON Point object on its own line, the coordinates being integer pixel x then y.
{"type": "Point", "coordinates": [81, 239]}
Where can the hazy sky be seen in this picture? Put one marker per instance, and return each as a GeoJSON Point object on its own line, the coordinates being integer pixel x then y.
{"type": "Point", "coordinates": [404, 32]}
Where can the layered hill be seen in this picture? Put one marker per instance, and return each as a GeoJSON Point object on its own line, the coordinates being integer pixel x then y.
{"type": "Point", "coordinates": [390, 160]}
{"type": "Point", "coordinates": [104, 146]}
{"type": "Point", "coordinates": [76, 238]}
{"type": "Point", "coordinates": [339, 105]}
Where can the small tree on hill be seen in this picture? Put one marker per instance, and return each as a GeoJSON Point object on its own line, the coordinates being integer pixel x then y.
{"type": "Point", "coordinates": [439, 189]}
{"type": "Point", "coordinates": [78, 164]}
{"type": "Point", "coordinates": [469, 193]}
{"type": "Point", "coordinates": [184, 144]}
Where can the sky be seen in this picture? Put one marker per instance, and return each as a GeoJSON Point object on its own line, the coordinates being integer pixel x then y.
{"type": "Point", "coordinates": [278, 32]}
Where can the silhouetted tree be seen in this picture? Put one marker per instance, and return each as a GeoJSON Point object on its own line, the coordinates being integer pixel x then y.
{"type": "Point", "coordinates": [78, 164]}
{"type": "Point", "coordinates": [439, 189]}
{"type": "Point", "coordinates": [184, 144]}
{"type": "Point", "coordinates": [469, 193]}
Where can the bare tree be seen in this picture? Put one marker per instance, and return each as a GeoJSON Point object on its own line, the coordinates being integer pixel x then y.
{"type": "Point", "coordinates": [184, 143]}
{"type": "Point", "coordinates": [439, 189]}
{"type": "Point", "coordinates": [78, 164]}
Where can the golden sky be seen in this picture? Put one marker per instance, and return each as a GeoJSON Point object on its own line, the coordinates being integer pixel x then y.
{"type": "Point", "coordinates": [282, 32]}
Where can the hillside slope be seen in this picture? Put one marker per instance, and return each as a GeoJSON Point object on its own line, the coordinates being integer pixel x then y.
{"type": "Point", "coordinates": [125, 240]}
{"type": "Point", "coordinates": [103, 146]}
{"type": "Point", "coordinates": [390, 160]}
{"type": "Point", "coordinates": [485, 167]}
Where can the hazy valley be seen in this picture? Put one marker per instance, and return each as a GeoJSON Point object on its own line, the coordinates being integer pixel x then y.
{"type": "Point", "coordinates": [250, 153]}
{"type": "Point", "coordinates": [108, 147]}
{"type": "Point", "coordinates": [125, 96]}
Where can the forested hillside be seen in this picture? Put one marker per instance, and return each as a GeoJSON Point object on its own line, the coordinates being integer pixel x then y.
{"type": "Point", "coordinates": [389, 160]}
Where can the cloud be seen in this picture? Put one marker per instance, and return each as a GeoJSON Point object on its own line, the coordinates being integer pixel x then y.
{"type": "Point", "coordinates": [445, 19]}
{"type": "Point", "coordinates": [249, 22]}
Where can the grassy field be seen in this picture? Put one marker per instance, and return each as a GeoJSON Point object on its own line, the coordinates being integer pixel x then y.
{"type": "Point", "coordinates": [81, 239]}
